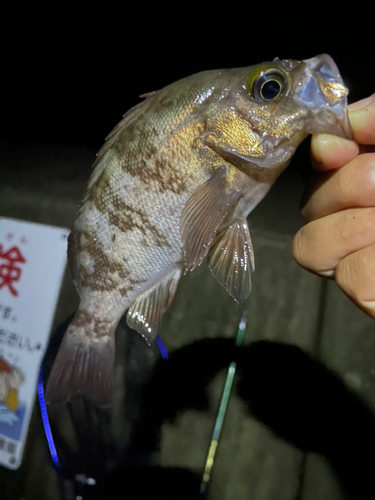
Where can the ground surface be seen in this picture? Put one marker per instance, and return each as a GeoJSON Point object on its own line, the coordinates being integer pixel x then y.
{"type": "Point", "coordinates": [44, 184]}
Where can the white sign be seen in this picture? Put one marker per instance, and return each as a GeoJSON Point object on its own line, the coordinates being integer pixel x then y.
{"type": "Point", "coordinates": [32, 262]}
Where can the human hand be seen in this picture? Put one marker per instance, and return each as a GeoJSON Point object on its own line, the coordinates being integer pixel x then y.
{"type": "Point", "coordinates": [338, 240]}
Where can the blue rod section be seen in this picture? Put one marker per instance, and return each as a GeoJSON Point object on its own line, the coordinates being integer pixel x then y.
{"type": "Point", "coordinates": [45, 420]}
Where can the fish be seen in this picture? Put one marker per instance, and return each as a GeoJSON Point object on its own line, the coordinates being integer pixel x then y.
{"type": "Point", "coordinates": [173, 184]}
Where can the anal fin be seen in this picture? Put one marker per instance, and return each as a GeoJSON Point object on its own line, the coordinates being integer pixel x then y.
{"type": "Point", "coordinates": [146, 312]}
{"type": "Point", "coordinates": [231, 260]}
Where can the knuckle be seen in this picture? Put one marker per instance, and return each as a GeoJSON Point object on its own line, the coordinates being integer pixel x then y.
{"type": "Point", "coordinates": [357, 224]}
{"type": "Point", "coordinates": [307, 252]}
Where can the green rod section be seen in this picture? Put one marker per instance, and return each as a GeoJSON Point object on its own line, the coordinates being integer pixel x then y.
{"type": "Point", "coordinates": [222, 408]}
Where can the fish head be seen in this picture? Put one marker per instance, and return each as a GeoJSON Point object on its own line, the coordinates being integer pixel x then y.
{"type": "Point", "coordinates": [284, 101]}
{"type": "Point", "coordinates": [320, 91]}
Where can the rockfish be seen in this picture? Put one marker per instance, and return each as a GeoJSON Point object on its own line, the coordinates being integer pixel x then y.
{"type": "Point", "coordinates": [173, 184]}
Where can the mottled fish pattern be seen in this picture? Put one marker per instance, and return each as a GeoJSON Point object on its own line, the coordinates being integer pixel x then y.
{"type": "Point", "coordinates": [173, 184]}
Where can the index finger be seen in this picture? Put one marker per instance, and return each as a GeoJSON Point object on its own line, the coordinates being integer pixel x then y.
{"type": "Point", "coordinates": [330, 152]}
{"type": "Point", "coordinates": [362, 120]}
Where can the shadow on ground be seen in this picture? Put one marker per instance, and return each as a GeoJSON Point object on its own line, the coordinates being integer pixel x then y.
{"type": "Point", "coordinates": [298, 398]}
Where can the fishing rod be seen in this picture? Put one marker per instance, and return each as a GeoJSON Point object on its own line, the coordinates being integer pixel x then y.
{"type": "Point", "coordinates": [83, 480]}
{"type": "Point", "coordinates": [222, 409]}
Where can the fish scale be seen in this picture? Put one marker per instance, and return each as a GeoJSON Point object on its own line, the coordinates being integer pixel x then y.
{"type": "Point", "coordinates": [173, 184]}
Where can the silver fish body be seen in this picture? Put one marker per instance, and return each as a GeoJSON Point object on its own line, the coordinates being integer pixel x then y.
{"type": "Point", "coordinates": [174, 183]}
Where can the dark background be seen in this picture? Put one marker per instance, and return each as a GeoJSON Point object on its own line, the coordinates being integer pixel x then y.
{"type": "Point", "coordinates": [70, 70]}
{"type": "Point", "coordinates": [68, 73]}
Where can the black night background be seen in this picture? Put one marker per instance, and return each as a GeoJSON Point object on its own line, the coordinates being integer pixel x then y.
{"type": "Point", "coordinates": [71, 69]}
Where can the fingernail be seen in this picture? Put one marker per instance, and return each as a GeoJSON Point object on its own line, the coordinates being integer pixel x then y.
{"type": "Point", "coordinates": [356, 106]}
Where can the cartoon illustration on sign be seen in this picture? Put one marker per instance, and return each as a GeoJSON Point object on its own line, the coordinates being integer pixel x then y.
{"type": "Point", "coordinates": [12, 410]}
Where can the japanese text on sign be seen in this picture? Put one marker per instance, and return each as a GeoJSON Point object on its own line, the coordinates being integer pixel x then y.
{"type": "Point", "coordinates": [7, 445]}
{"type": "Point", "coordinates": [10, 270]}
{"type": "Point", "coordinates": [20, 341]}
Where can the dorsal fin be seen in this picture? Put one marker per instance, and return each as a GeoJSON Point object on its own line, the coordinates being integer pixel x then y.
{"type": "Point", "coordinates": [105, 153]}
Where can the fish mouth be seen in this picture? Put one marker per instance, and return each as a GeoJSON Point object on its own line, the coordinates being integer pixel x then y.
{"type": "Point", "coordinates": [279, 156]}
{"type": "Point", "coordinates": [323, 94]}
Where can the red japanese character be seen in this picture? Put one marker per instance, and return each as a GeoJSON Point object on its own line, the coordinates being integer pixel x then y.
{"type": "Point", "coordinates": [9, 272]}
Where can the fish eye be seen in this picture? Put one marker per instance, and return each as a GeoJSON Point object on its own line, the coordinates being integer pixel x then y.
{"type": "Point", "coordinates": [267, 85]}
{"type": "Point", "coordinates": [270, 89]}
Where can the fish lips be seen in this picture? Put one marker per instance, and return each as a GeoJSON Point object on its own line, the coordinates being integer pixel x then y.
{"type": "Point", "coordinates": [322, 93]}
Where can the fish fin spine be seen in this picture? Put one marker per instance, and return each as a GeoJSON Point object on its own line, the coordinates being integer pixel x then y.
{"type": "Point", "coordinates": [146, 312]}
{"type": "Point", "coordinates": [231, 259]}
{"type": "Point", "coordinates": [202, 215]}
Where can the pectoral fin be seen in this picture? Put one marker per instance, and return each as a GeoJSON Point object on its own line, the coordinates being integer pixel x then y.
{"type": "Point", "coordinates": [231, 260]}
{"type": "Point", "coordinates": [202, 215]}
{"type": "Point", "coordinates": [146, 312]}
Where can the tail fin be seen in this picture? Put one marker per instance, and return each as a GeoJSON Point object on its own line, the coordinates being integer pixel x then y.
{"type": "Point", "coordinates": [83, 365]}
